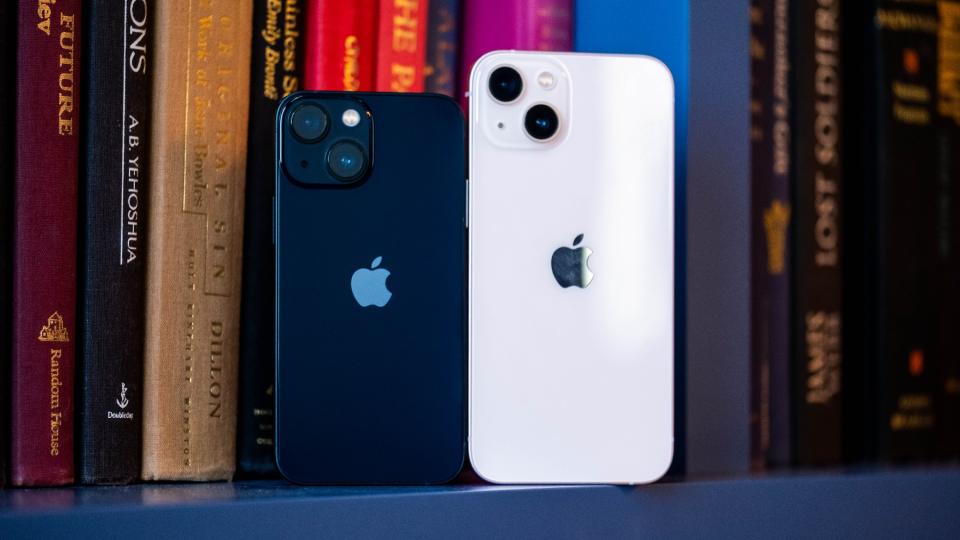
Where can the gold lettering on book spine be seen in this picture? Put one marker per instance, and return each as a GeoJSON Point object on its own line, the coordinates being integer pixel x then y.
{"type": "Point", "coordinates": [194, 270]}
{"type": "Point", "coordinates": [209, 179]}
{"type": "Point", "coordinates": [948, 72]}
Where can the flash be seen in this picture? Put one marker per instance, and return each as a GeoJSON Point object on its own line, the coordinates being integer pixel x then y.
{"type": "Point", "coordinates": [351, 117]}
{"type": "Point", "coordinates": [546, 80]}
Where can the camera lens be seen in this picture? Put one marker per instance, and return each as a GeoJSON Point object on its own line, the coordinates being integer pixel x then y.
{"type": "Point", "coordinates": [505, 84]}
{"type": "Point", "coordinates": [309, 123]}
{"type": "Point", "coordinates": [346, 161]}
{"type": "Point", "coordinates": [541, 122]}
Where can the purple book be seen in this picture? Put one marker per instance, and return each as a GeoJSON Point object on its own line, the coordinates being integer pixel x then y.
{"type": "Point", "coordinates": [526, 25]}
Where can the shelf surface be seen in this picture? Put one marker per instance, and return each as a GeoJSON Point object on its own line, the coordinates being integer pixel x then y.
{"type": "Point", "coordinates": [918, 503]}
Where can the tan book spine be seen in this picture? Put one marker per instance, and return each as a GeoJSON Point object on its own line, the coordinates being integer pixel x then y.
{"type": "Point", "coordinates": [199, 138]}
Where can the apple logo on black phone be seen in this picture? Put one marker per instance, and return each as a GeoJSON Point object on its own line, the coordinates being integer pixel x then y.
{"type": "Point", "coordinates": [570, 266]}
{"type": "Point", "coordinates": [369, 285]}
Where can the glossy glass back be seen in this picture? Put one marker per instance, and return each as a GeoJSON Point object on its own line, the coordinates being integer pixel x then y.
{"type": "Point", "coordinates": [571, 269]}
{"type": "Point", "coordinates": [370, 296]}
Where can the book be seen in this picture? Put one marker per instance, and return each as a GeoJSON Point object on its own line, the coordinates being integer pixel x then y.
{"type": "Point", "coordinates": [48, 127]}
{"type": "Point", "coordinates": [340, 45]}
{"type": "Point", "coordinates": [770, 223]}
{"type": "Point", "coordinates": [526, 25]}
{"type": "Point", "coordinates": [401, 45]}
{"type": "Point", "coordinates": [198, 169]}
{"type": "Point", "coordinates": [8, 63]}
{"type": "Point", "coordinates": [114, 183]}
{"type": "Point", "coordinates": [900, 335]}
{"type": "Point", "coordinates": [816, 302]}
{"type": "Point", "coordinates": [276, 71]}
{"type": "Point", "coordinates": [765, 264]}
{"type": "Point", "coordinates": [948, 227]}
{"type": "Point", "coordinates": [443, 40]}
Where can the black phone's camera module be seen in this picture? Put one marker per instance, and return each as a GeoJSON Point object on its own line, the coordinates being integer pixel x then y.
{"type": "Point", "coordinates": [309, 123]}
{"type": "Point", "coordinates": [506, 84]}
{"type": "Point", "coordinates": [541, 122]}
{"type": "Point", "coordinates": [346, 161]}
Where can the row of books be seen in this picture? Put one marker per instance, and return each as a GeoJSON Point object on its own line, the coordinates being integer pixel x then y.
{"type": "Point", "coordinates": [136, 168]}
{"type": "Point", "coordinates": [855, 269]}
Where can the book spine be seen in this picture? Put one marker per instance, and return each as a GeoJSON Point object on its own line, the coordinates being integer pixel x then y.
{"type": "Point", "coordinates": [45, 243]}
{"type": "Point", "coordinates": [401, 45]}
{"type": "Point", "coordinates": [275, 71]}
{"type": "Point", "coordinates": [549, 25]}
{"type": "Point", "coordinates": [948, 227]}
{"type": "Point", "coordinates": [340, 45]}
{"type": "Point", "coordinates": [761, 172]}
{"type": "Point", "coordinates": [906, 150]}
{"type": "Point", "coordinates": [777, 225]}
{"type": "Point", "coordinates": [443, 38]}
{"type": "Point", "coordinates": [545, 25]}
{"type": "Point", "coordinates": [8, 59]}
{"type": "Point", "coordinates": [198, 165]}
{"type": "Point", "coordinates": [114, 183]}
{"type": "Point", "coordinates": [816, 304]}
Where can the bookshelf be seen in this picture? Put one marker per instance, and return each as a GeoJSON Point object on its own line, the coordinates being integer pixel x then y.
{"type": "Point", "coordinates": [908, 503]}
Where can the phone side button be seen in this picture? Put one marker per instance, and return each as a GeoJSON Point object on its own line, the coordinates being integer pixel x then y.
{"type": "Point", "coordinates": [273, 220]}
{"type": "Point", "coordinates": [466, 212]}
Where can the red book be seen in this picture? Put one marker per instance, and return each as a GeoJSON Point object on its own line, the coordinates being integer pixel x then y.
{"type": "Point", "coordinates": [402, 45]}
{"type": "Point", "coordinates": [340, 45]}
{"type": "Point", "coordinates": [45, 243]}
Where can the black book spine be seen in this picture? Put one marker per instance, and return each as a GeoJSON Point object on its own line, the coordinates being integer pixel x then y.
{"type": "Point", "coordinates": [816, 304]}
{"type": "Point", "coordinates": [904, 219]}
{"type": "Point", "coordinates": [8, 49]}
{"type": "Point", "coordinates": [948, 228]}
{"type": "Point", "coordinates": [276, 70]}
{"type": "Point", "coordinates": [773, 215]}
{"type": "Point", "coordinates": [761, 173]}
{"type": "Point", "coordinates": [114, 166]}
{"type": "Point", "coordinates": [443, 37]}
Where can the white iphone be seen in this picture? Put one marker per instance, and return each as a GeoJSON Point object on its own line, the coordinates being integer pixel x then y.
{"type": "Point", "coordinates": [571, 219]}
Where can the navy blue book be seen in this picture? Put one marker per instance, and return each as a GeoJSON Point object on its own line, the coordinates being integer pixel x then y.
{"type": "Point", "coordinates": [370, 258]}
{"type": "Point", "coordinates": [443, 38]}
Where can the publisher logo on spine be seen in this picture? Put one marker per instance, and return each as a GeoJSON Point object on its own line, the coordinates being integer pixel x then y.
{"type": "Point", "coordinates": [122, 402]}
{"type": "Point", "coordinates": [54, 330]}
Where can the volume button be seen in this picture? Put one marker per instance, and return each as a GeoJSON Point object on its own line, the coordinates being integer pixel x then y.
{"type": "Point", "coordinates": [273, 220]}
{"type": "Point", "coordinates": [466, 213]}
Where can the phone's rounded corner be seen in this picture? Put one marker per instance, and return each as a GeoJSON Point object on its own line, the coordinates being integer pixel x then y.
{"type": "Point", "coordinates": [477, 68]}
{"type": "Point", "coordinates": [278, 461]}
{"type": "Point", "coordinates": [476, 465]}
{"type": "Point", "coordinates": [288, 101]}
{"type": "Point", "coordinates": [452, 107]}
{"type": "Point", "coordinates": [664, 72]}
{"type": "Point", "coordinates": [661, 466]}
{"type": "Point", "coordinates": [450, 476]}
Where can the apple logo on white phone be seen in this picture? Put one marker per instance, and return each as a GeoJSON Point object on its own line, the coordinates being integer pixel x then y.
{"type": "Point", "coordinates": [369, 285]}
{"type": "Point", "coordinates": [570, 265]}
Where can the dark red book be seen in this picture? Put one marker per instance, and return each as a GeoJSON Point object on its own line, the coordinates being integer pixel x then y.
{"type": "Point", "coordinates": [45, 243]}
{"type": "Point", "coordinates": [341, 45]}
{"type": "Point", "coordinates": [402, 45]}
{"type": "Point", "coordinates": [8, 58]}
